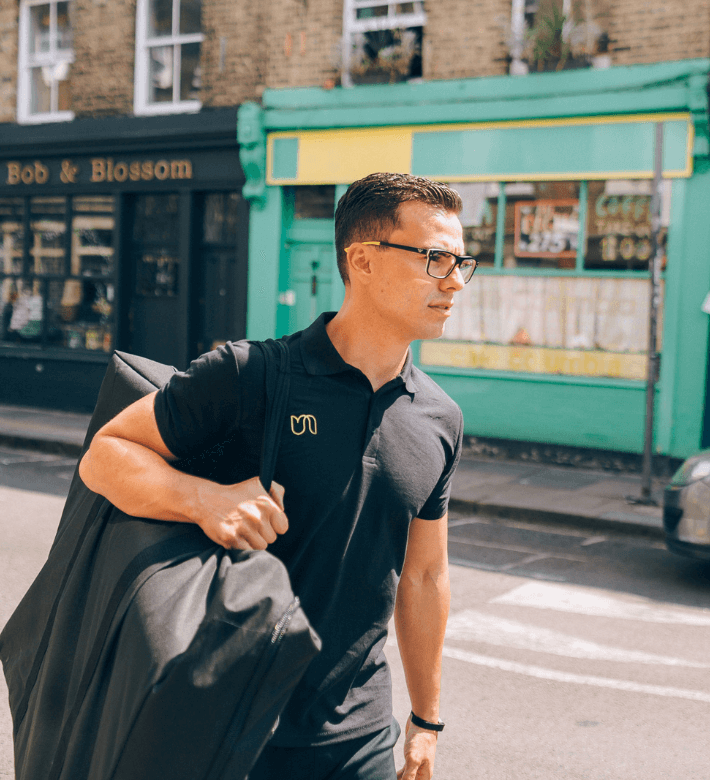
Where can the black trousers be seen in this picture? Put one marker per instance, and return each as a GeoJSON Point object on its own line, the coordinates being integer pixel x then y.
{"type": "Point", "coordinates": [366, 758]}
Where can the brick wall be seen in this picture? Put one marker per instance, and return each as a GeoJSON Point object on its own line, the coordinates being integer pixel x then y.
{"type": "Point", "coordinates": [466, 38]}
{"type": "Point", "coordinates": [104, 51]}
{"type": "Point", "coordinates": [302, 42]}
{"type": "Point", "coordinates": [8, 60]}
{"type": "Point", "coordinates": [644, 31]}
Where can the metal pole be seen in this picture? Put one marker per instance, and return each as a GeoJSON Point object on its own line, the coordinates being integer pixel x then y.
{"type": "Point", "coordinates": [652, 369]}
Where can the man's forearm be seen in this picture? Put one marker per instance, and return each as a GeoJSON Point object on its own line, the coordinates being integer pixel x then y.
{"type": "Point", "coordinates": [421, 610]}
{"type": "Point", "coordinates": [140, 482]}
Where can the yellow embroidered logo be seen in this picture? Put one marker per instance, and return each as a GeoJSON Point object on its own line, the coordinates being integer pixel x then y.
{"type": "Point", "coordinates": [305, 421]}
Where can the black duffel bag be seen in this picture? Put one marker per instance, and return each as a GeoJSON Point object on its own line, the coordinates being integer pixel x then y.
{"type": "Point", "coordinates": [143, 650]}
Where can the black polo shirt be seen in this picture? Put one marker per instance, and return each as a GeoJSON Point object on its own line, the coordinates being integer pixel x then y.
{"type": "Point", "coordinates": [357, 466]}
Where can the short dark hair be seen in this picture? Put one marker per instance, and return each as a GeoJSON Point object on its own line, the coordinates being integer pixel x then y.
{"type": "Point", "coordinates": [369, 209]}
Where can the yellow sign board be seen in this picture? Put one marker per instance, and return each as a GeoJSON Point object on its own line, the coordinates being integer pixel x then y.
{"type": "Point", "coordinates": [534, 360]}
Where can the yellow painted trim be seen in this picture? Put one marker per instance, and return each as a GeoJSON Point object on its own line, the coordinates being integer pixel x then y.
{"type": "Point", "coordinates": [390, 149]}
{"type": "Point", "coordinates": [533, 360]}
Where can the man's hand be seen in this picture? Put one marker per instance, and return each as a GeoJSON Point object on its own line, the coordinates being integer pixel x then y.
{"type": "Point", "coordinates": [243, 516]}
{"type": "Point", "coordinates": [419, 751]}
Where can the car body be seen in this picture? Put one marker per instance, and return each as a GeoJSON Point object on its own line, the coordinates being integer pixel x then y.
{"type": "Point", "coordinates": [686, 508]}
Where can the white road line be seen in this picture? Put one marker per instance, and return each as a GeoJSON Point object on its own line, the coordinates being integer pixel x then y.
{"type": "Point", "coordinates": [585, 601]}
{"type": "Point", "coordinates": [579, 679]}
{"type": "Point", "coordinates": [472, 626]}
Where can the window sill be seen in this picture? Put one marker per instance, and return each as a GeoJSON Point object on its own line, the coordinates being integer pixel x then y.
{"type": "Point", "coordinates": [161, 109]}
{"type": "Point", "coordinates": [40, 119]}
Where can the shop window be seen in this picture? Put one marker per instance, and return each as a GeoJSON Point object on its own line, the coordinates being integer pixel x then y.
{"type": "Point", "coordinates": [382, 41]}
{"type": "Point", "coordinates": [46, 57]}
{"type": "Point", "coordinates": [316, 202]}
{"type": "Point", "coordinates": [168, 49]}
{"type": "Point", "coordinates": [155, 237]}
{"type": "Point", "coordinates": [619, 231]}
{"type": "Point", "coordinates": [567, 292]}
{"type": "Point", "coordinates": [541, 224]}
{"type": "Point", "coordinates": [58, 272]}
{"type": "Point", "coordinates": [479, 218]}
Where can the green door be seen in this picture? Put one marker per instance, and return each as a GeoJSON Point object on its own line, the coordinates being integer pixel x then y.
{"type": "Point", "coordinates": [309, 282]}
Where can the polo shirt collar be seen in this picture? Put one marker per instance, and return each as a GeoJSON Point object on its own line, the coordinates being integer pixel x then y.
{"type": "Point", "coordinates": [320, 357]}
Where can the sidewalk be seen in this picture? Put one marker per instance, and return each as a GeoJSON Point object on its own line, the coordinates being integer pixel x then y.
{"type": "Point", "coordinates": [514, 490]}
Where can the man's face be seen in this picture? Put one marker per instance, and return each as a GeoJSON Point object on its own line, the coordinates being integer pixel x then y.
{"type": "Point", "coordinates": [412, 304]}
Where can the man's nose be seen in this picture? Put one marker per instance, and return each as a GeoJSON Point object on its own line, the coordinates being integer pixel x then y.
{"type": "Point", "coordinates": [454, 281]}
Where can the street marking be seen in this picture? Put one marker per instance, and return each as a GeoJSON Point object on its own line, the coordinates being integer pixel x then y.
{"type": "Point", "coordinates": [593, 540]}
{"type": "Point", "coordinates": [579, 679]}
{"type": "Point", "coordinates": [472, 626]}
{"type": "Point", "coordinates": [582, 601]}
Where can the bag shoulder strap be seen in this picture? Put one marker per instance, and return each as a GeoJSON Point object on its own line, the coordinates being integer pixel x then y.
{"type": "Point", "coordinates": [277, 381]}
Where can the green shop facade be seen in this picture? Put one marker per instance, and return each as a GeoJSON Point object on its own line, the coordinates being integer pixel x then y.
{"type": "Point", "coordinates": [550, 340]}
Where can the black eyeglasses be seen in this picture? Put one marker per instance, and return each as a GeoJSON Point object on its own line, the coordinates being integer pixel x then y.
{"type": "Point", "coordinates": [439, 262]}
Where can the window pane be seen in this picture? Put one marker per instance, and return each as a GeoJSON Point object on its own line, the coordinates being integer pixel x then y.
{"type": "Point", "coordinates": [39, 28]}
{"type": "Point", "coordinates": [190, 21]}
{"type": "Point", "coordinates": [221, 217]}
{"type": "Point", "coordinates": [22, 310]}
{"type": "Point", "coordinates": [161, 74]}
{"type": "Point", "coordinates": [316, 202]}
{"type": "Point", "coordinates": [96, 203]}
{"type": "Point", "coordinates": [369, 13]}
{"type": "Point", "coordinates": [40, 90]}
{"type": "Point", "coordinates": [63, 73]}
{"type": "Point", "coordinates": [47, 235]}
{"type": "Point", "coordinates": [619, 233]}
{"type": "Point", "coordinates": [160, 18]}
{"type": "Point", "coordinates": [190, 73]}
{"type": "Point", "coordinates": [80, 314]}
{"type": "Point", "coordinates": [64, 30]}
{"type": "Point", "coordinates": [541, 224]}
{"type": "Point", "coordinates": [92, 245]}
{"type": "Point", "coordinates": [478, 218]}
{"type": "Point", "coordinates": [11, 214]}
{"type": "Point", "coordinates": [386, 56]}
{"type": "Point", "coordinates": [155, 231]}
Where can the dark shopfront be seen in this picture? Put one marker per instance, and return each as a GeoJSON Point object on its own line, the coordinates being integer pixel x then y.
{"type": "Point", "coordinates": [119, 233]}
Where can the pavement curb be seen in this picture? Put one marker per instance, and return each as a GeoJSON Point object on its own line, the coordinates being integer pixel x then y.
{"type": "Point", "coordinates": [40, 445]}
{"type": "Point", "coordinates": [528, 514]}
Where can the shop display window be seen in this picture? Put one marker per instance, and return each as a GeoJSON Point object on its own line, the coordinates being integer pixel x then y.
{"type": "Point", "coordinates": [57, 282]}
{"type": "Point", "coordinates": [564, 287]}
{"type": "Point", "coordinates": [315, 202]}
{"type": "Point", "coordinates": [479, 218]}
{"type": "Point", "coordinates": [541, 224]}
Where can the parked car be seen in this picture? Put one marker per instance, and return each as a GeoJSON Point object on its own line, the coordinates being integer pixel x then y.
{"type": "Point", "coordinates": [686, 508]}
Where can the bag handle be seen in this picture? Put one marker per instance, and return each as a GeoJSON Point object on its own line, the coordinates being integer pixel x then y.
{"type": "Point", "coordinates": [277, 380]}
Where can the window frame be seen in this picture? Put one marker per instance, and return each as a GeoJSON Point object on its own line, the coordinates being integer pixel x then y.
{"type": "Point", "coordinates": [28, 61]}
{"type": "Point", "coordinates": [393, 21]}
{"type": "Point", "coordinates": [518, 28]}
{"type": "Point", "coordinates": [141, 105]}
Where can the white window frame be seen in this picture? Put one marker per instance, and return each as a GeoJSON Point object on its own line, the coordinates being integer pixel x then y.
{"type": "Point", "coordinates": [26, 61]}
{"type": "Point", "coordinates": [142, 76]}
{"type": "Point", "coordinates": [352, 25]}
{"type": "Point", "coordinates": [518, 67]}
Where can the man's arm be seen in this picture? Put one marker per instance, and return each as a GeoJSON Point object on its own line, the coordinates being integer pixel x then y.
{"type": "Point", "coordinates": [421, 610]}
{"type": "Point", "coordinates": [129, 463]}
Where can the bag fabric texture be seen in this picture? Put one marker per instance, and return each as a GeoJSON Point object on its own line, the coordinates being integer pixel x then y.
{"type": "Point", "coordinates": [143, 650]}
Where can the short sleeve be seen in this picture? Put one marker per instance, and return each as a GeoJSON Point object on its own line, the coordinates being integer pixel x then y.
{"type": "Point", "coordinates": [205, 405]}
{"type": "Point", "coordinates": [438, 502]}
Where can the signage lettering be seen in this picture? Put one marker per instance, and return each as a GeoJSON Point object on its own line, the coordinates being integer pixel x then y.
{"type": "Point", "coordinates": [102, 169]}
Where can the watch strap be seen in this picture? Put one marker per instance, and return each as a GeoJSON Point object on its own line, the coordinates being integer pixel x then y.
{"type": "Point", "coordinates": [425, 724]}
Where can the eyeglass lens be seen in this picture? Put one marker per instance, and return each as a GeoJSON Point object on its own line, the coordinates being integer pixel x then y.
{"type": "Point", "coordinates": [441, 264]}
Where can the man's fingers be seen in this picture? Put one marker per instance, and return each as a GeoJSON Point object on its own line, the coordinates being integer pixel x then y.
{"type": "Point", "coordinates": [277, 493]}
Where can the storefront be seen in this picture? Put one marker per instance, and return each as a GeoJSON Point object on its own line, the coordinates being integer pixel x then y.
{"type": "Point", "coordinates": [118, 233]}
{"type": "Point", "coordinates": [550, 340]}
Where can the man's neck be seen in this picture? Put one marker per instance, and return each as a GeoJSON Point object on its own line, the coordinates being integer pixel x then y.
{"type": "Point", "coordinates": [364, 344]}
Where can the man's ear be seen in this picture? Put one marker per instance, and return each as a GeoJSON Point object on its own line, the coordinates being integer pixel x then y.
{"type": "Point", "coordinates": [359, 262]}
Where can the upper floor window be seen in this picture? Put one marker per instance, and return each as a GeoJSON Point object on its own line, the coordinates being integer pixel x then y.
{"type": "Point", "coordinates": [168, 45]}
{"type": "Point", "coordinates": [547, 35]}
{"type": "Point", "coordinates": [382, 41]}
{"type": "Point", "coordinates": [46, 56]}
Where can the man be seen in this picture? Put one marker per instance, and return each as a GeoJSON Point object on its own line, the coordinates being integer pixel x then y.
{"type": "Point", "coordinates": [363, 476]}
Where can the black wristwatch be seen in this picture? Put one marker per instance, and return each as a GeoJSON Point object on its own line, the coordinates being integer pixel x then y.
{"type": "Point", "coordinates": [425, 724]}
